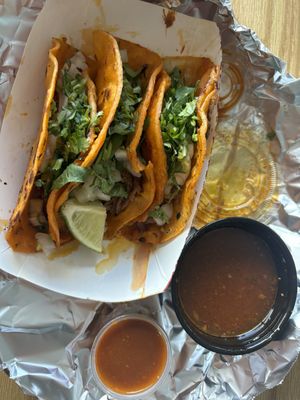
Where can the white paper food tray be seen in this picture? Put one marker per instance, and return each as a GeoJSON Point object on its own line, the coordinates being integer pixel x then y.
{"type": "Point", "coordinates": [133, 20]}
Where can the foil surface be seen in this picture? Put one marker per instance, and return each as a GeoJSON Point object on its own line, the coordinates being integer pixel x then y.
{"type": "Point", "coordinates": [46, 337]}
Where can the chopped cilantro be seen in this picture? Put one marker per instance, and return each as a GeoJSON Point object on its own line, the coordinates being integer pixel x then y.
{"type": "Point", "coordinates": [178, 123]}
{"type": "Point", "coordinates": [70, 124]}
{"type": "Point", "coordinates": [158, 213]}
{"type": "Point", "coordinates": [131, 97]}
{"type": "Point", "coordinates": [107, 170]}
{"type": "Point", "coordinates": [108, 178]}
{"type": "Point", "coordinates": [73, 173]}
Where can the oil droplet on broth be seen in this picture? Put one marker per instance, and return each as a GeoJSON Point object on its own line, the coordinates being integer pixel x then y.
{"type": "Point", "coordinates": [113, 251]}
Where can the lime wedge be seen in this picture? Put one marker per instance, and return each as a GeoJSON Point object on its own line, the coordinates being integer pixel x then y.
{"type": "Point", "coordinates": [86, 222]}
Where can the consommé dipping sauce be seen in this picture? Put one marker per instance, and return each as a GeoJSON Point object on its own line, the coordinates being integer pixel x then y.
{"type": "Point", "coordinates": [227, 283]}
{"type": "Point", "coordinates": [131, 355]}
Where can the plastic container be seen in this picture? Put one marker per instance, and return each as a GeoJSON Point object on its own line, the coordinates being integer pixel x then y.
{"type": "Point", "coordinates": [273, 325]}
{"type": "Point", "coordinates": [146, 391]}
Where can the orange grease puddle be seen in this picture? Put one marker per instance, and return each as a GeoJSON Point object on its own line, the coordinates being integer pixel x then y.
{"type": "Point", "coordinates": [140, 266]}
{"type": "Point", "coordinates": [64, 250]}
{"type": "Point", "coordinates": [113, 251]}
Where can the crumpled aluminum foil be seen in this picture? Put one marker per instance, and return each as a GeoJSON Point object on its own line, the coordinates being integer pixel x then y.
{"type": "Point", "coordinates": [46, 337]}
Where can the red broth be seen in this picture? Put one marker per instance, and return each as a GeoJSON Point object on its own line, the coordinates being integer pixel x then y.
{"type": "Point", "coordinates": [228, 282]}
{"type": "Point", "coordinates": [131, 356]}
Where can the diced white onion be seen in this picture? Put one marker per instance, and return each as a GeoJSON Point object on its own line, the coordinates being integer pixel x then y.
{"type": "Point", "coordinates": [121, 155]}
{"type": "Point", "coordinates": [78, 63]}
{"type": "Point", "coordinates": [45, 243]}
{"type": "Point", "coordinates": [159, 221]}
{"type": "Point", "coordinates": [36, 215]}
{"type": "Point", "coordinates": [87, 192]}
{"type": "Point", "coordinates": [168, 210]}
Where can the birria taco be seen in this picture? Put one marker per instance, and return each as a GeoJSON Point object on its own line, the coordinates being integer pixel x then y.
{"type": "Point", "coordinates": [105, 184]}
{"type": "Point", "coordinates": [177, 142]}
{"type": "Point", "coordinates": [71, 130]}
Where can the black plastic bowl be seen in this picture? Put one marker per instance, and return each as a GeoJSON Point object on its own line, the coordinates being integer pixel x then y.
{"type": "Point", "coordinates": [271, 327]}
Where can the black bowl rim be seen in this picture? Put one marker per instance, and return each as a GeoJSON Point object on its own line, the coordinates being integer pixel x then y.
{"type": "Point", "coordinates": [256, 342]}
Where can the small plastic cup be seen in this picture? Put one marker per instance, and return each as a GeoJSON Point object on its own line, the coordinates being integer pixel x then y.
{"type": "Point", "coordinates": [148, 390]}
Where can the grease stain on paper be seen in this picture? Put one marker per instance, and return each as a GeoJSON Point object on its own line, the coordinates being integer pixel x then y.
{"type": "Point", "coordinates": [181, 40]}
{"type": "Point", "coordinates": [98, 2]}
{"type": "Point", "coordinates": [169, 18]}
{"type": "Point", "coordinates": [64, 250]}
{"type": "Point", "coordinates": [87, 46]}
{"type": "Point", "coordinates": [141, 258]}
{"type": "Point", "coordinates": [112, 28]}
{"type": "Point", "coordinates": [133, 34]}
{"type": "Point", "coordinates": [113, 251]}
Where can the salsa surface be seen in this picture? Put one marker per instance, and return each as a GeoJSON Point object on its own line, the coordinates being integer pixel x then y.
{"type": "Point", "coordinates": [131, 356]}
{"type": "Point", "coordinates": [227, 282]}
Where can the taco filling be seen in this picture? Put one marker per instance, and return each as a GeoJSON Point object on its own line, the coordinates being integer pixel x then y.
{"type": "Point", "coordinates": [178, 122]}
{"type": "Point", "coordinates": [176, 144]}
{"type": "Point", "coordinates": [71, 130]}
{"type": "Point", "coordinates": [111, 178]}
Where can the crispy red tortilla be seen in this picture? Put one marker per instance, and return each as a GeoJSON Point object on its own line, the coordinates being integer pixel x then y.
{"type": "Point", "coordinates": [195, 71]}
